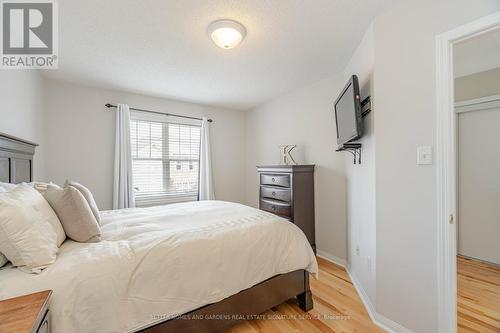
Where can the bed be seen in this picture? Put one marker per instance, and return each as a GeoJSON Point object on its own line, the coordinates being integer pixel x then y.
{"type": "Point", "coordinates": [190, 267]}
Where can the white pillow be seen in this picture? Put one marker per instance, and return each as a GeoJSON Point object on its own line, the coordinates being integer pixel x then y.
{"type": "Point", "coordinates": [74, 213]}
{"type": "Point", "coordinates": [88, 196]}
{"type": "Point", "coordinates": [7, 187]}
{"type": "Point", "coordinates": [40, 187]}
{"type": "Point", "coordinates": [27, 235]}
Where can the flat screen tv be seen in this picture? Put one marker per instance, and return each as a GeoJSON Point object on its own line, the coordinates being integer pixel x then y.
{"type": "Point", "coordinates": [348, 113]}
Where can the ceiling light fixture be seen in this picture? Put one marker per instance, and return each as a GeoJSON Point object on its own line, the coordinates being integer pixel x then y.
{"type": "Point", "coordinates": [226, 34]}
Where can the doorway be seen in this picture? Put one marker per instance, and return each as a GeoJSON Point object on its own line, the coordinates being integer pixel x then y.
{"type": "Point", "coordinates": [448, 172]}
{"type": "Point", "coordinates": [476, 63]}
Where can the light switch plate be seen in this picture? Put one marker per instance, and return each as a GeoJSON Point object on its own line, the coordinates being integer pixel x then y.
{"type": "Point", "coordinates": [424, 155]}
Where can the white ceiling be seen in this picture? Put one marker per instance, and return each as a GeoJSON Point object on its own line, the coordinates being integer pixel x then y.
{"type": "Point", "coordinates": [161, 48]}
{"type": "Point", "coordinates": [477, 54]}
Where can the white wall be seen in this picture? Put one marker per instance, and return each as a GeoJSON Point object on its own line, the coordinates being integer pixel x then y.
{"type": "Point", "coordinates": [21, 111]}
{"type": "Point", "coordinates": [406, 213]}
{"type": "Point", "coordinates": [80, 138]}
{"type": "Point", "coordinates": [304, 117]}
{"type": "Point", "coordinates": [478, 85]}
{"type": "Point", "coordinates": [344, 192]}
{"type": "Point", "coordinates": [479, 184]}
{"type": "Point", "coordinates": [361, 179]}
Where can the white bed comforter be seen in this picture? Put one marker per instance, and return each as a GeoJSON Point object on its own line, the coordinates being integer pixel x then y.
{"type": "Point", "coordinates": [154, 263]}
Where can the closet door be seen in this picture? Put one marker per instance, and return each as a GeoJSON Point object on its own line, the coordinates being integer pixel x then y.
{"type": "Point", "coordinates": [479, 184]}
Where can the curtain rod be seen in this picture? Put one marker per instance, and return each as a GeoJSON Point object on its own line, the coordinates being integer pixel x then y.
{"type": "Point", "coordinates": [156, 112]}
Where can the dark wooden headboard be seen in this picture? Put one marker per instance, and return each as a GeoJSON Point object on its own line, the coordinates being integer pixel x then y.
{"type": "Point", "coordinates": [16, 159]}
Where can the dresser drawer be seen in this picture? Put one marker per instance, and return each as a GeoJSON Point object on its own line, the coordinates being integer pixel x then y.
{"type": "Point", "coordinates": [281, 194]}
{"type": "Point", "coordinates": [276, 180]}
{"type": "Point", "coordinates": [276, 207]}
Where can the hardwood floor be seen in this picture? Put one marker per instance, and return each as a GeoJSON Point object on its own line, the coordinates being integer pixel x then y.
{"type": "Point", "coordinates": [478, 296]}
{"type": "Point", "coordinates": [337, 308]}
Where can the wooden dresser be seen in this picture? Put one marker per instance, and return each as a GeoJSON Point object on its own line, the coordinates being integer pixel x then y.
{"type": "Point", "coordinates": [26, 314]}
{"type": "Point", "coordinates": [288, 191]}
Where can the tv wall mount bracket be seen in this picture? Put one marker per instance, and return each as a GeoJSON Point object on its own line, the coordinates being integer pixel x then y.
{"type": "Point", "coordinates": [354, 149]}
{"type": "Point", "coordinates": [366, 106]}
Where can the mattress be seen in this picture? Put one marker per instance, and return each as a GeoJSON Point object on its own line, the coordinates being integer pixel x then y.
{"type": "Point", "coordinates": [155, 263]}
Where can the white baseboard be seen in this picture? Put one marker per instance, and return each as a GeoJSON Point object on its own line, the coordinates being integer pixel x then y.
{"type": "Point", "coordinates": [331, 258]}
{"type": "Point", "coordinates": [379, 320]}
{"type": "Point", "coordinates": [389, 325]}
{"type": "Point", "coordinates": [370, 308]}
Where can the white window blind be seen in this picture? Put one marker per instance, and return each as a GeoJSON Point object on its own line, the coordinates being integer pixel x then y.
{"type": "Point", "coordinates": [165, 161]}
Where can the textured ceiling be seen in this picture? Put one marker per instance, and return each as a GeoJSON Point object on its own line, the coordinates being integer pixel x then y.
{"type": "Point", "coordinates": [477, 54]}
{"type": "Point", "coordinates": [161, 48]}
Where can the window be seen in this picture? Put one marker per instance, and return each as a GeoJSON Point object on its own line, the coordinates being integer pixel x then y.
{"type": "Point", "coordinates": [165, 160]}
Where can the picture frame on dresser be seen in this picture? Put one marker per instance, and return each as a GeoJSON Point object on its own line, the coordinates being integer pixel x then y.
{"type": "Point", "coordinates": [288, 191]}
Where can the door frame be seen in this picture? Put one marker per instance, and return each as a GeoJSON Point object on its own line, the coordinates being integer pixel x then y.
{"type": "Point", "coordinates": [478, 104]}
{"type": "Point", "coordinates": [447, 166]}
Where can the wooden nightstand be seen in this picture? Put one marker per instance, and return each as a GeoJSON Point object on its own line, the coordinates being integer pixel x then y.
{"type": "Point", "coordinates": [26, 314]}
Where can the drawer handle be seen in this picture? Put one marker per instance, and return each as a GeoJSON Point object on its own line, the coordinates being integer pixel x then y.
{"type": "Point", "coordinates": [273, 207]}
{"type": "Point", "coordinates": [274, 194]}
{"type": "Point", "coordinates": [273, 180]}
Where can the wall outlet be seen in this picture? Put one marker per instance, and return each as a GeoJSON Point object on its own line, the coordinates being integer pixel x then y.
{"type": "Point", "coordinates": [357, 250]}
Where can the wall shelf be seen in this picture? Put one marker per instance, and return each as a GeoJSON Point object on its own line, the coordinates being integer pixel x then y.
{"type": "Point", "coordinates": [354, 149]}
